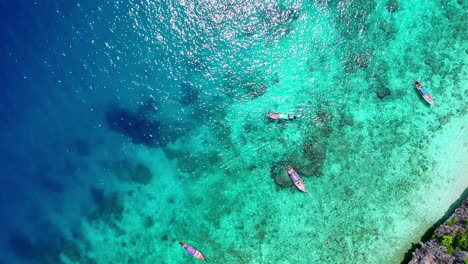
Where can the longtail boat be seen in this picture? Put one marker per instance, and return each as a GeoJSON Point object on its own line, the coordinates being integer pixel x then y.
{"type": "Point", "coordinates": [282, 116]}
{"type": "Point", "coordinates": [296, 179]}
{"type": "Point", "coordinates": [422, 91]}
{"type": "Point", "coordinates": [192, 251]}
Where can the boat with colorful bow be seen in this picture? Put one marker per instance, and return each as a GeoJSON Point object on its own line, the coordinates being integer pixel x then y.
{"type": "Point", "coordinates": [296, 179]}
{"type": "Point", "coordinates": [192, 251]}
{"type": "Point", "coordinates": [282, 116]}
{"type": "Point", "coordinates": [422, 91]}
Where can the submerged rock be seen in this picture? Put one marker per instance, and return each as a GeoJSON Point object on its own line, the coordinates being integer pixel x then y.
{"type": "Point", "coordinates": [51, 185]}
{"type": "Point", "coordinates": [280, 175]}
{"type": "Point", "coordinates": [392, 6]}
{"type": "Point", "coordinates": [349, 191]}
{"type": "Point", "coordinates": [387, 28]}
{"type": "Point", "coordinates": [22, 246]}
{"type": "Point", "coordinates": [141, 174]}
{"type": "Point", "coordinates": [362, 60]}
{"type": "Point", "coordinates": [383, 92]}
{"type": "Point", "coordinates": [39, 251]}
{"type": "Point", "coordinates": [72, 253]}
{"type": "Point", "coordinates": [139, 129]}
{"type": "Point", "coordinates": [309, 169]}
{"type": "Point", "coordinates": [82, 147]}
{"type": "Point", "coordinates": [256, 90]}
{"type": "Point", "coordinates": [310, 161]}
{"type": "Point", "coordinates": [125, 170]}
{"type": "Point", "coordinates": [188, 94]}
{"type": "Point", "coordinates": [108, 207]}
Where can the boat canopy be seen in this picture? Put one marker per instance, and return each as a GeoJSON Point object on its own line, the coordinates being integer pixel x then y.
{"type": "Point", "coordinates": [283, 116]}
{"type": "Point", "coordinates": [423, 91]}
{"type": "Point", "coordinates": [294, 177]}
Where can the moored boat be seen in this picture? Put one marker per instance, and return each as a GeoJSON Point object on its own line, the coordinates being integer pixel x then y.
{"type": "Point", "coordinates": [296, 179]}
{"type": "Point", "coordinates": [192, 251]}
{"type": "Point", "coordinates": [282, 116]}
{"type": "Point", "coordinates": [422, 91]}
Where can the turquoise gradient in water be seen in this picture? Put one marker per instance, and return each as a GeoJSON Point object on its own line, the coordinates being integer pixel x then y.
{"type": "Point", "coordinates": [128, 126]}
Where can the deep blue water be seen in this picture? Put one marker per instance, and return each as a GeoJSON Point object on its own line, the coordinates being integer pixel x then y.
{"type": "Point", "coordinates": [51, 73]}
{"type": "Point", "coordinates": [70, 72]}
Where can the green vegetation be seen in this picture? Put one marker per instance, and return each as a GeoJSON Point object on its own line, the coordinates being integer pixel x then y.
{"type": "Point", "coordinates": [447, 241]}
{"type": "Point", "coordinates": [450, 250]}
{"type": "Point", "coordinates": [457, 241]}
{"type": "Point", "coordinates": [452, 222]}
{"type": "Point", "coordinates": [433, 236]}
{"type": "Point", "coordinates": [466, 260]}
{"type": "Point", "coordinates": [461, 243]}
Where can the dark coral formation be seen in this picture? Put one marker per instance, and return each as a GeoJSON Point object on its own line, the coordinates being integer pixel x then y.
{"type": "Point", "coordinates": [51, 185]}
{"type": "Point", "coordinates": [138, 128]}
{"type": "Point", "coordinates": [150, 125]}
{"type": "Point", "coordinates": [255, 90]}
{"type": "Point", "coordinates": [346, 120]}
{"type": "Point", "coordinates": [72, 252]}
{"type": "Point", "coordinates": [141, 174]}
{"type": "Point", "coordinates": [280, 175]}
{"type": "Point", "coordinates": [22, 246]}
{"type": "Point", "coordinates": [323, 117]}
{"type": "Point", "coordinates": [392, 6]}
{"type": "Point", "coordinates": [192, 163]}
{"type": "Point", "coordinates": [148, 222]}
{"type": "Point", "coordinates": [250, 86]}
{"type": "Point", "coordinates": [314, 154]}
{"type": "Point", "coordinates": [449, 243]}
{"type": "Point", "coordinates": [383, 92]}
{"type": "Point", "coordinates": [357, 60]}
{"type": "Point", "coordinates": [188, 94]}
{"type": "Point", "coordinates": [387, 28]}
{"type": "Point", "coordinates": [105, 206]}
{"type": "Point", "coordinates": [128, 171]}
{"type": "Point", "coordinates": [274, 20]}
{"type": "Point", "coordinates": [44, 250]}
{"type": "Point", "coordinates": [82, 147]}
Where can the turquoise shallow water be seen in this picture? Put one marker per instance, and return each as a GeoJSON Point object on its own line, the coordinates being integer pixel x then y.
{"type": "Point", "coordinates": [135, 125]}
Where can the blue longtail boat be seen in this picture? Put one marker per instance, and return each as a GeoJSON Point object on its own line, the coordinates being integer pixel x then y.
{"type": "Point", "coordinates": [422, 91]}
{"type": "Point", "coordinates": [282, 116]}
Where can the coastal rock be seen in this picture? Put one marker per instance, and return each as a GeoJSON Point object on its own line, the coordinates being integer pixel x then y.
{"type": "Point", "coordinates": [449, 243]}
{"type": "Point", "coordinates": [383, 92]}
{"type": "Point", "coordinates": [431, 253]}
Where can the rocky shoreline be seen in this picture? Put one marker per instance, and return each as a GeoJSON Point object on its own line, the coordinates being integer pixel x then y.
{"type": "Point", "coordinates": [449, 242]}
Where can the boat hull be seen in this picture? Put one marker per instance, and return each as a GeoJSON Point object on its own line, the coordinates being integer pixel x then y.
{"type": "Point", "coordinates": [425, 95]}
{"type": "Point", "coordinates": [296, 179]}
{"type": "Point", "coordinates": [281, 116]}
{"type": "Point", "coordinates": [192, 251]}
